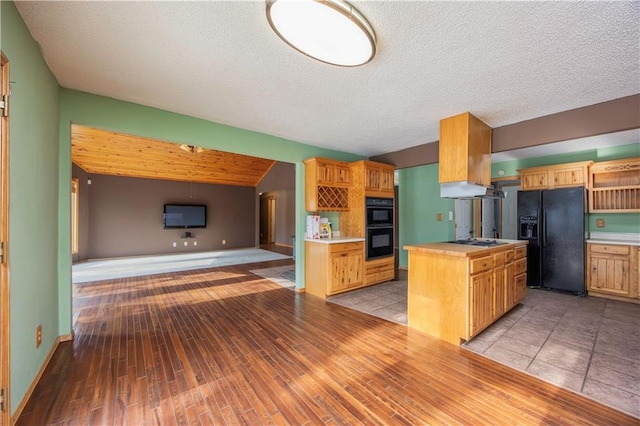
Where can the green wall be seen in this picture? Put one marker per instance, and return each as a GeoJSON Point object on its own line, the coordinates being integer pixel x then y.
{"type": "Point", "coordinates": [33, 202]}
{"type": "Point", "coordinates": [110, 114]}
{"type": "Point", "coordinates": [418, 208]}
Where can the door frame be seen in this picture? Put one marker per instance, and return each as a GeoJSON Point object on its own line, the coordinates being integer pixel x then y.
{"type": "Point", "coordinates": [5, 416]}
{"type": "Point", "coordinates": [271, 220]}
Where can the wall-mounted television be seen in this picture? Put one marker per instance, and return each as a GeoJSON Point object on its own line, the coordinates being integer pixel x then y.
{"type": "Point", "coordinates": [184, 216]}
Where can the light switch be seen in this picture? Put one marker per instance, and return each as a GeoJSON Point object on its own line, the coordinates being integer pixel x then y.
{"type": "Point", "coordinates": [450, 216]}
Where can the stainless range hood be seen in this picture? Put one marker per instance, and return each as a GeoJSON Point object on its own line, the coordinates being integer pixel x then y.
{"type": "Point", "coordinates": [468, 190]}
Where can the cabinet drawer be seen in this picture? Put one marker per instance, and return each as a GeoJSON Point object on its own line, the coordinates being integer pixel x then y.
{"type": "Point", "coordinates": [520, 252]}
{"type": "Point", "coordinates": [521, 280]}
{"type": "Point", "coordinates": [609, 248]}
{"type": "Point", "coordinates": [499, 259]}
{"type": "Point", "coordinates": [521, 266]}
{"type": "Point", "coordinates": [508, 256]}
{"type": "Point", "coordinates": [378, 277]}
{"type": "Point", "coordinates": [481, 264]}
{"type": "Point", "coordinates": [345, 247]}
{"type": "Point", "coordinates": [373, 267]}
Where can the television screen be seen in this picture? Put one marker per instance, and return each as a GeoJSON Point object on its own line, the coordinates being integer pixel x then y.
{"type": "Point", "coordinates": [185, 216]}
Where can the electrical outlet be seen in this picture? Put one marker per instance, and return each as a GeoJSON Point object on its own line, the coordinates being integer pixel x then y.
{"type": "Point", "coordinates": [38, 335]}
{"type": "Point", "coordinates": [186, 243]}
{"type": "Point", "coordinates": [224, 242]}
{"type": "Point", "coordinates": [439, 217]}
{"type": "Point", "coordinates": [175, 244]}
{"type": "Point", "coordinates": [195, 243]}
{"type": "Point", "coordinates": [600, 223]}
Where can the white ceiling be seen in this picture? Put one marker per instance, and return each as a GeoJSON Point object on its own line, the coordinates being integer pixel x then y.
{"type": "Point", "coordinates": [505, 62]}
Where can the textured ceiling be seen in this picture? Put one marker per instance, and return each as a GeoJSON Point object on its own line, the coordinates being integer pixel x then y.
{"type": "Point", "coordinates": [503, 61]}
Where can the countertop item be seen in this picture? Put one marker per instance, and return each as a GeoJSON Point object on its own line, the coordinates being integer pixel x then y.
{"type": "Point", "coordinates": [336, 240]}
{"type": "Point", "coordinates": [622, 238]}
{"type": "Point", "coordinates": [462, 250]}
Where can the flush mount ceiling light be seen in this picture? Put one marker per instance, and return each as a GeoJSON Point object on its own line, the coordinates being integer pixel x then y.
{"type": "Point", "coordinates": [191, 148]}
{"type": "Point", "coordinates": [330, 31]}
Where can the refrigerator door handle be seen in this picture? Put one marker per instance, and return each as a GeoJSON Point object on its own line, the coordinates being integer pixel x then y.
{"type": "Point", "coordinates": [544, 227]}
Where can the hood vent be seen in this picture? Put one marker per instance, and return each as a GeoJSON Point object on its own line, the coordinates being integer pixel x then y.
{"type": "Point", "coordinates": [467, 190]}
{"type": "Point", "coordinates": [465, 158]}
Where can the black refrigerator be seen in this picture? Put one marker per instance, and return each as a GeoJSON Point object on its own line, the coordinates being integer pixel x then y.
{"type": "Point", "coordinates": [554, 223]}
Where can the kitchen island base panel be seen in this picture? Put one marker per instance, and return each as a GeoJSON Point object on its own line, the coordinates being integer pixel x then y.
{"type": "Point", "coordinates": [434, 308]}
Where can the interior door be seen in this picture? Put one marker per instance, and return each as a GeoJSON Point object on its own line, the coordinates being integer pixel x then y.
{"type": "Point", "coordinates": [509, 211]}
{"type": "Point", "coordinates": [488, 226]}
{"type": "Point", "coordinates": [5, 415]}
{"type": "Point", "coordinates": [463, 216]}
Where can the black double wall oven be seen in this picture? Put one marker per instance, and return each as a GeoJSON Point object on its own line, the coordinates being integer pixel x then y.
{"type": "Point", "coordinates": [379, 227]}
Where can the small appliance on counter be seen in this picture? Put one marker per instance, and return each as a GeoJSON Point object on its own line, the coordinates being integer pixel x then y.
{"type": "Point", "coordinates": [318, 227]}
{"type": "Point", "coordinates": [313, 227]}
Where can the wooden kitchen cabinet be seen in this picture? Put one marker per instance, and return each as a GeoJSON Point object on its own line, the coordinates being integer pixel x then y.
{"type": "Point", "coordinates": [454, 294]}
{"type": "Point", "coordinates": [555, 176]}
{"type": "Point", "coordinates": [379, 270]}
{"type": "Point", "coordinates": [615, 186]}
{"type": "Point", "coordinates": [327, 185]}
{"type": "Point", "coordinates": [368, 179]}
{"type": "Point", "coordinates": [612, 271]}
{"type": "Point", "coordinates": [333, 268]}
{"type": "Point", "coordinates": [518, 280]}
{"type": "Point", "coordinates": [376, 179]}
{"type": "Point", "coordinates": [464, 150]}
{"type": "Point", "coordinates": [481, 301]}
{"type": "Point", "coordinates": [534, 180]}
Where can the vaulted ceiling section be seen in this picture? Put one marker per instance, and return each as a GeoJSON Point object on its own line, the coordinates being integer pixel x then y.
{"type": "Point", "coordinates": [109, 153]}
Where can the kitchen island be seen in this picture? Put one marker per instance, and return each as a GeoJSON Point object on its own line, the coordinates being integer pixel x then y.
{"type": "Point", "coordinates": [455, 291]}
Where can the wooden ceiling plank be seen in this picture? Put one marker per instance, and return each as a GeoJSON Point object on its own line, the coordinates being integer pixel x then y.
{"type": "Point", "coordinates": [104, 152]}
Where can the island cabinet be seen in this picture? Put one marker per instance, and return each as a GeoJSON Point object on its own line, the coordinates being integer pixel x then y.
{"type": "Point", "coordinates": [327, 184]}
{"type": "Point", "coordinates": [612, 271]}
{"type": "Point", "coordinates": [456, 291]}
{"type": "Point", "coordinates": [333, 268]}
{"type": "Point", "coordinates": [555, 176]}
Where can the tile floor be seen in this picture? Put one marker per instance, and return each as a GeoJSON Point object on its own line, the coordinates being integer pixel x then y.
{"type": "Point", "coordinates": [587, 344]}
{"type": "Point", "coordinates": [275, 274]}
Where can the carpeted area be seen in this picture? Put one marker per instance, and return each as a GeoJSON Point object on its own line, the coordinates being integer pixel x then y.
{"type": "Point", "coordinates": [104, 269]}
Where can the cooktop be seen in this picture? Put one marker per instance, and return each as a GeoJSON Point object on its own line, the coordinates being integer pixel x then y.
{"type": "Point", "coordinates": [476, 242]}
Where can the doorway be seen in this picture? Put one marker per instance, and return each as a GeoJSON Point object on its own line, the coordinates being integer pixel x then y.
{"type": "Point", "coordinates": [463, 219]}
{"type": "Point", "coordinates": [267, 220]}
{"type": "Point", "coordinates": [5, 411]}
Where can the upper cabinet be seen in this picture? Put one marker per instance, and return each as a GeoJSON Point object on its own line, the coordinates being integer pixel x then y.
{"type": "Point", "coordinates": [615, 186]}
{"type": "Point", "coordinates": [556, 176]}
{"type": "Point", "coordinates": [327, 185]}
{"type": "Point", "coordinates": [465, 150]}
{"type": "Point", "coordinates": [376, 178]}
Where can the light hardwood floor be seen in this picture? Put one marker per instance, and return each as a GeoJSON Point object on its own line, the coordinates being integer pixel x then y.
{"type": "Point", "coordinates": [226, 346]}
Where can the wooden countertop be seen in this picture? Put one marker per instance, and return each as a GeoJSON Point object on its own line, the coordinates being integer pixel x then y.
{"type": "Point", "coordinates": [336, 240]}
{"type": "Point", "coordinates": [462, 250]}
